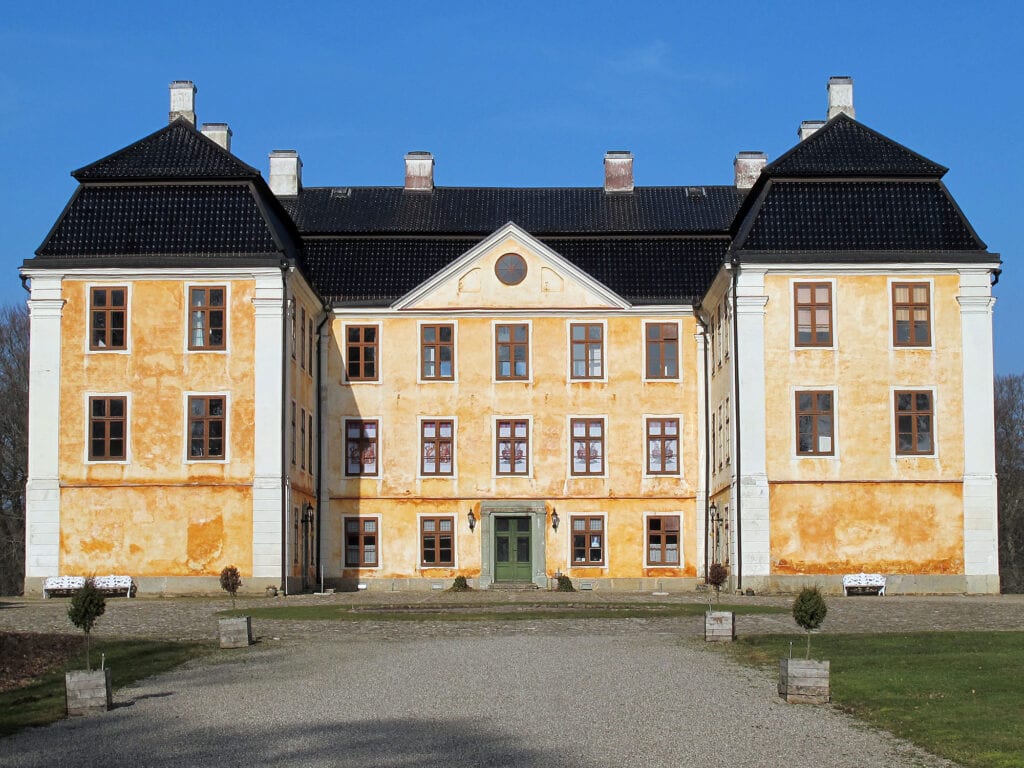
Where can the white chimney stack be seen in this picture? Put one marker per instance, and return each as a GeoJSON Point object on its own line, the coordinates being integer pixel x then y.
{"type": "Point", "coordinates": [218, 132]}
{"type": "Point", "coordinates": [618, 171]}
{"type": "Point", "coordinates": [840, 97]}
{"type": "Point", "coordinates": [809, 127]}
{"type": "Point", "coordinates": [419, 172]}
{"type": "Point", "coordinates": [747, 167]}
{"type": "Point", "coordinates": [285, 172]}
{"type": "Point", "coordinates": [183, 101]}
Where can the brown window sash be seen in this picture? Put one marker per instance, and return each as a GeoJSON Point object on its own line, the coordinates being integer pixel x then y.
{"type": "Point", "coordinates": [302, 438]}
{"type": "Point", "coordinates": [662, 446]}
{"type": "Point", "coordinates": [437, 352]}
{"type": "Point", "coordinates": [361, 441]}
{"type": "Point", "coordinates": [512, 352]}
{"type": "Point", "coordinates": [587, 541]}
{"type": "Point", "coordinates": [815, 423]}
{"type": "Point", "coordinates": [309, 438]}
{"type": "Point", "coordinates": [512, 447]}
{"type": "Point", "coordinates": [108, 421]}
{"type": "Point", "coordinates": [437, 542]}
{"type": "Point", "coordinates": [302, 338]}
{"type": "Point", "coordinates": [812, 314]}
{"type": "Point", "coordinates": [437, 443]}
{"type": "Point", "coordinates": [310, 345]}
{"type": "Point", "coordinates": [915, 417]}
{"type": "Point", "coordinates": [663, 545]}
{"type": "Point", "coordinates": [662, 349]}
{"type": "Point", "coordinates": [108, 318]}
{"type": "Point", "coordinates": [587, 447]}
{"type": "Point", "coordinates": [294, 453]}
{"type": "Point", "coordinates": [206, 428]}
{"type": "Point", "coordinates": [587, 345]}
{"type": "Point", "coordinates": [362, 542]}
{"type": "Point", "coordinates": [361, 346]}
{"type": "Point", "coordinates": [911, 315]}
{"type": "Point", "coordinates": [207, 317]}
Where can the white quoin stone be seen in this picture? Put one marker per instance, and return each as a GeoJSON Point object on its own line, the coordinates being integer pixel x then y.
{"type": "Point", "coordinates": [218, 132]}
{"type": "Point", "coordinates": [183, 101]}
{"type": "Point", "coordinates": [618, 171]}
{"type": "Point", "coordinates": [809, 127]}
{"type": "Point", "coordinates": [285, 172]}
{"type": "Point", "coordinates": [840, 97]}
{"type": "Point", "coordinates": [419, 171]}
{"type": "Point", "coordinates": [747, 167]}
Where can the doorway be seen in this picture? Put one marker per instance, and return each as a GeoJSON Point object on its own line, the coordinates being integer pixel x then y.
{"type": "Point", "coordinates": [512, 550]}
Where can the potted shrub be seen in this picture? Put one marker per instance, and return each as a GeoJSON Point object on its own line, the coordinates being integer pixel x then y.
{"type": "Point", "coordinates": [719, 626]}
{"type": "Point", "coordinates": [87, 690]}
{"type": "Point", "coordinates": [806, 681]}
{"type": "Point", "coordinates": [235, 632]}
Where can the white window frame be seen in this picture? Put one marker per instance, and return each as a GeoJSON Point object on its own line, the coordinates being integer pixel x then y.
{"type": "Point", "coordinates": [127, 429]}
{"type": "Point", "coordinates": [678, 379]}
{"type": "Point", "coordinates": [679, 476]}
{"type": "Point", "coordinates": [569, 534]}
{"type": "Point", "coordinates": [129, 290]}
{"type": "Point", "coordinates": [931, 388]}
{"type": "Point", "coordinates": [903, 348]}
{"type": "Point", "coordinates": [228, 319]}
{"type": "Point", "coordinates": [455, 351]}
{"type": "Point", "coordinates": [791, 325]}
{"type": "Point", "coordinates": [455, 448]}
{"type": "Point", "coordinates": [794, 389]}
{"type": "Point", "coordinates": [494, 447]}
{"type": "Point", "coordinates": [344, 354]}
{"type": "Point", "coordinates": [569, 323]}
{"type": "Point", "coordinates": [380, 548]}
{"type": "Point", "coordinates": [227, 426]}
{"type": "Point", "coordinates": [682, 539]}
{"type": "Point", "coordinates": [529, 350]}
{"type": "Point", "coordinates": [455, 541]}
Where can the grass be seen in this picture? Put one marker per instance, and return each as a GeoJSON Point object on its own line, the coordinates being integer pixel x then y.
{"type": "Point", "coordinates": [956, 694]}
{"type": "Point", "coordinates": [42, 701]}
{"type": "Point", "coordinates": [489, 612]}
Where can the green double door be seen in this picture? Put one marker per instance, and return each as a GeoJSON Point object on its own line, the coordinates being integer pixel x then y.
{"type": "Point", "coordinates": [512, 549]}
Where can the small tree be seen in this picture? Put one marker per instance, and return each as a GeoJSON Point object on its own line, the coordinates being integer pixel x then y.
{"type": "Point", "coordinates": [87, 605]}
{"type": "Point", "coordinates": [809, 611]}
{"type": "Point", "coordinates": [230, 581]}
{"type": "Point", "coordinates": [717, 574]}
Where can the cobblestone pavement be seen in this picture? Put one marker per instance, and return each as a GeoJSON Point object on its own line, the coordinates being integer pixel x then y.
{"type": "Point", "coordinates": [194, 618]}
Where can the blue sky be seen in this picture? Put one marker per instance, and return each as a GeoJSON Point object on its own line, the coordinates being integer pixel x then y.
{"type": "Point", "coordinates": [515, 94]}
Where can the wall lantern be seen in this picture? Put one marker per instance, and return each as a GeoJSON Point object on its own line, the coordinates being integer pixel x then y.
{"type": "Point", "coordinates": [471, 519]}
{"type": "Point", "coordinates": [307, 514]}
{"type": "Point", "coordinates": [715, 519]}
{"type": "Point", "coordinates": [554, 519]}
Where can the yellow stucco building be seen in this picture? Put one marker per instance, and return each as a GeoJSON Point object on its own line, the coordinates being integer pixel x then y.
{"type": "Point", "coordinates": [389, 387]}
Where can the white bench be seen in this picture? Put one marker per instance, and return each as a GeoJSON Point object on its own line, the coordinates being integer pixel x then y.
{"type": "Point", "coordinates": [110, 585]}
{"type": "Point", "coordinates": [860, 583]}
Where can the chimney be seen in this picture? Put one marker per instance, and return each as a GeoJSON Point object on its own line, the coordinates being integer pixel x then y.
{"type": "Point", "coordinates": [618, 171]}
{"type": "Point", "coordinates": [747, 167]}
{"type": "Point", "coordinates": [285, 172]}
{"type": "Point", "coordinates": [840, 97]}
{"type": "Point", "coordinates": [808, 128]}
{"type": "Point", "coordinates": [183, 101]}
{"type": "Point", "coordinates": [218, 132]}
{"type": "Point", "coordinates": [419, 172]}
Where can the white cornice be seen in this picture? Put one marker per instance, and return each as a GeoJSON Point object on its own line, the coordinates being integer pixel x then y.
{"type": "Point", "coordinates": [152, 273]}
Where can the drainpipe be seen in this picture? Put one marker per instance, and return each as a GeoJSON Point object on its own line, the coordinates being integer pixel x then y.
{"type": "Point", "coordinates": [707, 443]}
{"type": "Point", "coordinates": [737, 500]}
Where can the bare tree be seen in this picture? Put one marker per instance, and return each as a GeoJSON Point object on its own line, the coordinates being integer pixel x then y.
{"type": "Point", "coordinates": [1010, 469]}
{"type": "Point", "coordinates": [14, 328]}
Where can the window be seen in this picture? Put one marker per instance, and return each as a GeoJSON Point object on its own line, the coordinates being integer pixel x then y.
{"type": "Point", "coordinates": [436, 443]}
{"type": "Point", "coordinates": [663, 446]}
{"type": "Point", "coordinates": [437, 352]}
{"type": "Point", "coordinates": [107, 425]}
{"type": "Point", "coordinates": [718, 335]}
{"type": "Point", "coordinates": [513, 447]}
{"type": "Point", "coordinates": [309, 439]}
{"type": "Point", "coordinates": [718, 437]}
{"type": "Point", "coordinates": [587, 541]}
{"type": "Point", "coordinates": [207, 318]}
{"type": "Point", "coordinates": [914, 414]}
{"type": "Point", "coordinates": [714, 442]}
{"type": "Point", "coordinates": [206, 428]}
{"type": "Point", "coordinates": [727, 447]}
{"type": "Point", "coordinates": [360, 447]}
{"type": "Point", "coordinates": [663, 540]}
{"type": "Point", "coordinates": [302, 436]}
{"type": "Point", "coordinates": [361, 542]}
{"type": "Point", "coordinates": [108, 311]}
{"type": "Point", "coordinates": [911, 315]}
{"type": "Point", "coordinates": [813, 309]}
{"type": "Point", "coordinates": [587, 350]}
{"type": "Point", "coordinates": [814, 424]}
{"type": "Point", "coordinates": [302, 336]}
{"type": "Point", "coordinates": [361, 352]}
{"type": "Point", "coordinates": [437, 540]}
{"type": "Point", "coordinates": [309, 344]}
{"type": "Point", "coordinates": [512, 351]}
{"type": "Point", "coordinates": [293, 433]}
{"type": "Point", "coordinates": [587, 446]}
{"type": "Point", "coordinates": [662, 350]}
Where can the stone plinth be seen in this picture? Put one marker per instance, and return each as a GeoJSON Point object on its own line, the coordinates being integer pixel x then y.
{"type": "Point", "coordinates": [804, 681]}
{"type": "Point", "coordinates": [88, 692]}
{"type": "Point", "coordinates": [236, 633]}
{"type": "Point", "coordinates": [719, 626]}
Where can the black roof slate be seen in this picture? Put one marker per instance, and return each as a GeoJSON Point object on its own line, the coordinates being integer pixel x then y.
{"type": "Point", "coordinates": [378, 271]}
{"type": "Point", "coordinates": [844, 147]}
{"type": "Point", "coordinates": [540, 211]}
{"type": "Point", "coordinates": [176, 151]}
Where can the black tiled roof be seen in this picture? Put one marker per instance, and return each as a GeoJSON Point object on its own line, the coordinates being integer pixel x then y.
{"type": "Point", "coordinates": [540, 211]}
{"type": "Point", "coordinates": [164, 219]}
{"type": "Point", "coordinates": [858, 216]}
{"type": "Point", "coordinates": [177, 151]}
{"type": "Point", "coordinates": [377, 271]}
{"type": "Point", "coordinates": [844, 147]}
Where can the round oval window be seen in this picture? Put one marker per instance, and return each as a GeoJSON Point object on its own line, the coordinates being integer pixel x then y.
{"type": "Point", "coordinates": [511, 269]}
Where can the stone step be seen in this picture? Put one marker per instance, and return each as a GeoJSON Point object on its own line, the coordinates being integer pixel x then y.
{"type": "Point", "coordinates": [514, 586]}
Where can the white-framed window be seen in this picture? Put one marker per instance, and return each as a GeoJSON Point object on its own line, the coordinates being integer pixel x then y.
{"type": "Point", "coordinates": [207, 427]}
{"type": "Point", "coordinates": [108, 435]}
{"type": "Point", "coordinates": [663, 539]}
{"type": "Point", "coordinates": [512, 446]}
{"type": "Point", "coordinates": [362, 541]}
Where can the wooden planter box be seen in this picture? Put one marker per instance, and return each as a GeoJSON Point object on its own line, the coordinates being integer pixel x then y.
{"type": "Point", "coordinates": [88, 691]}
{"type": "Point", "coordinates": [804, 681]}
{"type": "Point", "coordinates": [719, 626]}
{"type": "Point", "coordinates": [236, 633]}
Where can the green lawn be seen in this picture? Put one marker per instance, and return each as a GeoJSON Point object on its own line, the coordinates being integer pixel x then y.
{"type": "Point", "coordinates": [489, 611]}
{"type": "Point", "coordinates": [42, 701]}
{"type": "Point", "coordinates": [956, 694]}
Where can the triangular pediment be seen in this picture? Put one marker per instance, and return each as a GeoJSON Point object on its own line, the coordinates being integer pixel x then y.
{"type": "Point", "coordinates": [510, 270]}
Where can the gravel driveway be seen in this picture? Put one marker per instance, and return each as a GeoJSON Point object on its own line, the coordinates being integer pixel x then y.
{"type": "Point", "coordinates": [528, 694]}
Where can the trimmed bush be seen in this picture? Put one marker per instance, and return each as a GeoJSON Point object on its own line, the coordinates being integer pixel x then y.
{"type": "Point", "coordinates": [460, 585]}
{"type": "Point", "coordinates": [564, 584]}
{"type": "Point", "coordinates": [230, 581]}
{"type": "Point", "coordinates": [87, 605]}
{"type": "Point", "coordinates": [809, 611]}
